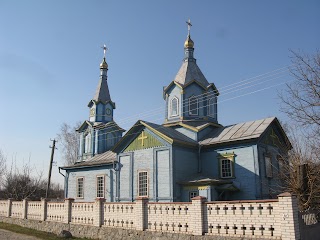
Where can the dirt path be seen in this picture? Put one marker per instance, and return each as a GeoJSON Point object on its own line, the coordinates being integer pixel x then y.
{"type": "Point", "coordinates": [7, 235]}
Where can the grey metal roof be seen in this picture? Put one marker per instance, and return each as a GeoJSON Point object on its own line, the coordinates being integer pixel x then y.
{"type": "Point", "coordinates": [190, 71]}
{"type": "Point", "coordinates": [112, 124]}
{"type": "Point", "coordinates": [99, 159]}
{"type": "Point", "coordinates": [171, 133]}
{"type": "Point", "coordinates": [236, 132]}
{"type": "Point", "coordinates": [102, 93]}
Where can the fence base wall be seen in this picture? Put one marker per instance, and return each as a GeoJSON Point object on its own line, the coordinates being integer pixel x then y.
{"type": "Point", "coordinates": [105, 232]}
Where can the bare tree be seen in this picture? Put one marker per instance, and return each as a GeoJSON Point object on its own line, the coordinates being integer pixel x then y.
{"type": "Point", "coordinates": [300, 171]}
{"type": "Point", "coordinates": [301, 99]}
{"type": "Point", "coordinates": [22, 183]}
{"type": "Point", "coordinates": [68, 140]}
{"type": "Point", "coordinates": [2, 165]}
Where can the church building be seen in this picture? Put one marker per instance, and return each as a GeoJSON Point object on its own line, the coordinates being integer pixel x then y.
{"type": "Point", "coordinates": [190, 154]}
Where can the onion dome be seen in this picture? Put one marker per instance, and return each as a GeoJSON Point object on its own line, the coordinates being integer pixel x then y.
{"type": "Point", "coordinates": [188, 43]}
{"type": "Point", "coordinates": [104, 64]}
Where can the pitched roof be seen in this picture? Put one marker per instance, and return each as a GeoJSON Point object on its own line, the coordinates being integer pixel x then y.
{"type": "Point", "coordinates": [237, 132]}
{"type": "Point", "coordinates": [100, 125]}
{"type": "Point", "coordinates": [169, 132]}
{"type": "Point", "coordinates": [196, 126]}
{"type": "Point", "coordinates": [99, 159]}
{"type": "Point", "coordinates": [188, 72]}
{"type": "Point", "coordinates": [112, 124]}
{"type": "Point", "coordinates": [102, 93]}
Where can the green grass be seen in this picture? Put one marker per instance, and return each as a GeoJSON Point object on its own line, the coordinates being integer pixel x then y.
{"type": "Point", "coordinates": [32, 232]}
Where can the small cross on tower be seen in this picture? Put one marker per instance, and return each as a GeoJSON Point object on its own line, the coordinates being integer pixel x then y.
{"type": "Point", "coordinates": [189, 26]}
{"type": "Point", "coordinates": [104, 47]}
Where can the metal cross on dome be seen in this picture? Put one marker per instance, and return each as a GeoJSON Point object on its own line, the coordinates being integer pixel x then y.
{"type": "Point", "coordinates": [189, 25]}
{"type": "Point", "coordinates": [104, 47]}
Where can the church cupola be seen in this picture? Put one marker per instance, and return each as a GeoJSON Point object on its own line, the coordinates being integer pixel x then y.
{"type": "Point", "coordinates": [189, 45]}
{"type": "Point", "coordinates": [190, 97]}
{"type": "Point", "coordinates": [100, 133]}
{"type": "Point", "coordinates": [101, 106]}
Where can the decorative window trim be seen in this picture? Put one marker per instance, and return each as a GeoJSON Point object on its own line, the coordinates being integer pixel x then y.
{"type": "Point", "coordinates": [87, 145]}
{"type": "Point", "coordinates": [140, 193]}
{"type": "Point", "coordinates": [79, 196]}
{"type": "Point", "coordinates": [171, 107]}
{"type": "Point", "coordinates": [103, 186]}
{"type": "Point", "coordinates": [231, 158]}
{"type": "Point", "coordinates": [197, 105]}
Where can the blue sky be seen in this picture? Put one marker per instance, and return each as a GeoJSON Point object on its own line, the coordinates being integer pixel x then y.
{"type": "Point", "coordinates": [50, 55]}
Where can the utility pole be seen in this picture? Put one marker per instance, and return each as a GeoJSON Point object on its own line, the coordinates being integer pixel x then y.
{"type": "Point", "coordinates": [50, 168]}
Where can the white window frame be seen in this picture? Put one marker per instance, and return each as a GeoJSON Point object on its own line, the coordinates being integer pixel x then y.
{"type": "Point", "coordinates": [229, 158]}
{"type": "Point", "coordinates": [197, 105]}
{"type": "Point", "coordinates": [77, 188]}
{"type": "Point", "coordinates": [87, 142]}
{"type": "Point", "coordinates": [171, 107]}
{"type": "Point", "coordinates": [140, 192]}
{"type": "Point", "coordinates": [100, 190]}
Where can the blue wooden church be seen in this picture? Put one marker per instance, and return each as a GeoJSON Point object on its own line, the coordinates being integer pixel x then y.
{"type": "Point", "coordinates": [190, 154]}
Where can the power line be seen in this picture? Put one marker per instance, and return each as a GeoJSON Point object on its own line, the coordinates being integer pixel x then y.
{"type": "Point", "coordinates": [259, 90]}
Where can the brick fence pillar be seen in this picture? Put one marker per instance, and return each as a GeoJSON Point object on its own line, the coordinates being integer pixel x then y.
{"type": "Point", "coordinates": [68, 209]}
{"type": "Point", "coordinates": [98, 212]}
{"type": "Point", "coordinates": [288, 210]}
{"type": "Point", "coordinates": [9, 207]}
{"type": "Point", "coordinates": [141, 213]}
{"type": "Point", "coordinates": [25, 208]}
{"type": "Point", "coordinates": [197, 215]}
{"type": "Point", "coordinates": [43, 209]}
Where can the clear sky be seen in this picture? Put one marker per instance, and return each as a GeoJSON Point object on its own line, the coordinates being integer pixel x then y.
{"type": "Point", "coordinates": [50, 55]}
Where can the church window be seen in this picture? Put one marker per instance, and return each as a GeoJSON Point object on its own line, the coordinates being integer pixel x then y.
{"type": "Point", "coordinates": [193, 106]}
{"type": "Point", "coordinates": [100, 186]}
{"type": "Point", "coordinates": [80, 181]}
{"type": "Point", "coordinates": [174, 107]}
{"type": "Point", "coordinates": [143, 184]}
{"type": "Point", "coordinates": [226, 162]}
{"type": "Point", "coordinates": [211, 106]}
{"type": "Point", "coordinates": [268, 165]}
{"type": "Point", "coordinates": [193, 194]}
{"type": "Point", "coordinates": [87, 147]}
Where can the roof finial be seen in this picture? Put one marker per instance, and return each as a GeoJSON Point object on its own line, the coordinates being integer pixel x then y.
{"type": "Point", "coordinates": [188, 43]}
{"type": "Point", "coordinates": [189, 26]}
{"type": "Point", "coordinates": [104, 47]}
{"type": "Point", "coordinates": [104, 64]}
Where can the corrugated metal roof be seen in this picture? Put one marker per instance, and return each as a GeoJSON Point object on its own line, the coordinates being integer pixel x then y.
{"type": "Point", "coordinates": [99, 159]}
{"type": "Point", "coordinates": [236, 132]}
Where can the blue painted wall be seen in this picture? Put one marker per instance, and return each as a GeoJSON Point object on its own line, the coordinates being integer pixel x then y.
{"type": "Point", "coordinates": [244, 168]}
{"type": "Point", "coordinates": [90, 186]}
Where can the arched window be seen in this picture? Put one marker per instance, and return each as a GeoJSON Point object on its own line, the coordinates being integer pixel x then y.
{"type": "Point", "coordinates": [174, 107]}
{"type": "Point", "coordinates": [87, 145]}
{"type": "Point", "coordinates": [211, 104]}
{"type": "Point", "coordinates": [193, 105]}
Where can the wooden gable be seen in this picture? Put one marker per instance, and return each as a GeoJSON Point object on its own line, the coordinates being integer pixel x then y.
{"type": "Point", "coordinates": [273, 138]}
{"type": "Point", "coordinates": [142, 141]}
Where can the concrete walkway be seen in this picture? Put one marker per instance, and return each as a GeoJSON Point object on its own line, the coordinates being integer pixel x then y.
{"type": "Point", "coordinates": [7, 235]}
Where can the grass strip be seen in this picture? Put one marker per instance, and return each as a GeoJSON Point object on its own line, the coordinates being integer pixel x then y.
{"type": "Point", "coordinates": [32, 232]}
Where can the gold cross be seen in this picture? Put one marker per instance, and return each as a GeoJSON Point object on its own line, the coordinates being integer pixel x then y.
{"type": "Point", "coordinates": [142, 138]}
